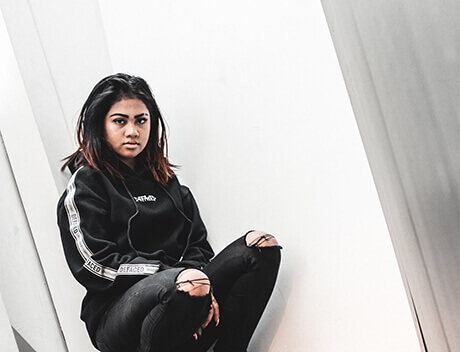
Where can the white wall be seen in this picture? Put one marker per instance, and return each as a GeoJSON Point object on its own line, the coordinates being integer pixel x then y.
{"type": "Point", "coordinates": [46, 56]}
{"type": "Point", "coordinates": [6, 333]}
{"type": "Point", "coordinates": [23, 286]}
{"type": "Point", "coordinates": [261, 123]}
{"type": "Point", "coordinates": [400, 61]}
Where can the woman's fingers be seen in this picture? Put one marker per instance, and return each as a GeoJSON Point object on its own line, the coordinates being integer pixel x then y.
{"type": "Point", "coordinates": [198, 333]}
{"type": "Point", "coordinates": [215, 307]}
{"type": "Point", "coordinates": [209, 317]}
{"type": "Point", "coordinates": [213, 312]}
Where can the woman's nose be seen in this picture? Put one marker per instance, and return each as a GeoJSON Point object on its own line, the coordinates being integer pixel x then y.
{"type": "Point", "coordinates": [131, 130]}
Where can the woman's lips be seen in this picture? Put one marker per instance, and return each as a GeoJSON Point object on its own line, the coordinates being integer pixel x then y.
{"type": "Point", "coordinates": [131, 145]}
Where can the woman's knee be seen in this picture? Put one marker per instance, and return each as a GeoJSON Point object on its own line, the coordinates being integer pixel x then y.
{"type": "Point", "coordinates": [194, 282]}
{"type": "Point", "coordinates": [260, 239]}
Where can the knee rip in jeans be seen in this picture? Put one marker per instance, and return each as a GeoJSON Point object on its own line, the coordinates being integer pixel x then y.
{"type": "Point", "coordinates": [194, 282]}
{"type": "Point", "coordinates": [261, 239]}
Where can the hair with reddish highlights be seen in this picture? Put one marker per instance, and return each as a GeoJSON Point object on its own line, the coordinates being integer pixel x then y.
{"type": "Point", "coordinates": [94, 150]}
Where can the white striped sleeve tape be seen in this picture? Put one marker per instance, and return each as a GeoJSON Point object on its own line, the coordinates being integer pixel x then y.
{"type": "Point", "coordinates": [74, 226]}
{"type": "Point", "coordinates": [86, 253]}
{"type": "Point", "coordinates": [138, 269]}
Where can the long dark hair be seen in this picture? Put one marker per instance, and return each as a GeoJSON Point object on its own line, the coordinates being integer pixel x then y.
{"type": "Point", "coordinates": [93, 149]}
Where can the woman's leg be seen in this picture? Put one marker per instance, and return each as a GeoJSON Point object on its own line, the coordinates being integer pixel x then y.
{"type": "Point", "coordinates": [243, 276]}
{"type": "Point", "coordinates": [157, 313]}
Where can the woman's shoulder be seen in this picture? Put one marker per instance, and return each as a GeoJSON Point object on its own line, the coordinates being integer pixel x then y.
{"type": "Point", "coordinates": [87, 178]}
{"type": "Point", "coordinates": [174, 185]}
{"type": "Point", "coordinates": [183, 189]}
{"type": "Point", "coordinates": [86, 182]}
{"type": "Point", "coordinates": [88, 173]}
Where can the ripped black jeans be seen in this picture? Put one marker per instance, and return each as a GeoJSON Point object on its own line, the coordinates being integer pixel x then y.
{"type": "Point", "coordinates": [154, 316]}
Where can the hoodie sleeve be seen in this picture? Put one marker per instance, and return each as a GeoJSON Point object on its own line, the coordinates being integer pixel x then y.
{"type": "Point", "coordinates": [92, 254]}
{"type": "Point", "coordinates": [199, 251]}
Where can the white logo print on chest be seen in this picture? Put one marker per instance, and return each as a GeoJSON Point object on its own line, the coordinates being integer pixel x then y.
{"type": "Point", "coordinates": [145, 198]}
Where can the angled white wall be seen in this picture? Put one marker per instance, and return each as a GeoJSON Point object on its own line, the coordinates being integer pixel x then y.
{"type": "Point", "coordinates": [6, 333]}
{"type": "Point", "coordinates": [400, 61]}
{"type": "Point", "coordinates": [50, 50]}
{"type": "Point", "coordinates": [60, 50]}
{"type": "Point", "coordinates": [23, 286]}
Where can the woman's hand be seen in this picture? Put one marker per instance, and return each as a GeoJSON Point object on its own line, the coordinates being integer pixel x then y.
{"type": "Point", "coordinates": [213, 313]}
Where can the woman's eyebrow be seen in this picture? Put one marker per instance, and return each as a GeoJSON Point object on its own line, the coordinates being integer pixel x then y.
{"type": "Point", "coordinates": [127, 116]}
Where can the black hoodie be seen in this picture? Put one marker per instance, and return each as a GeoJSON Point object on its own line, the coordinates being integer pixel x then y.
{"type": "Point", "coordinates": [116, 232]}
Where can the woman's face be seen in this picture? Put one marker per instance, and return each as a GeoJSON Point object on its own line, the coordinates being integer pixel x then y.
{"type": "Point", "coordinates": [127, 129]}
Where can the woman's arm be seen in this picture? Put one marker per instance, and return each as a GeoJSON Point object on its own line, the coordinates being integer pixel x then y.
{"type": "Point", "coordinates": [199, 251]}
{"type": "Point", "coordinates": [90, 249]}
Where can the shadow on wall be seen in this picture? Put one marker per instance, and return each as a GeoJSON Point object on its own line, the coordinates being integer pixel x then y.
{"type": "Point", "coordinates": [274, 314]}
{"type": "Point", "coordinates": [23, 346]}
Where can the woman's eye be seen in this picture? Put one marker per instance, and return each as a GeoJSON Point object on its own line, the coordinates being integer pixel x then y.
{"type": "Point", "coordinates": [142, 120]}
{"type": "Point", "coordinates": [119, 121]}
